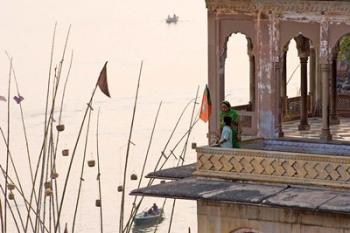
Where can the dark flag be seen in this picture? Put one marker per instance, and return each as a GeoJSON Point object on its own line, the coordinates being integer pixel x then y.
{"type": "Point", "coordinates": [205, 110]}
{"type": "Point", "coordinates": [102, 81]}
{"type": "Point", "coordinates": [65, 229]}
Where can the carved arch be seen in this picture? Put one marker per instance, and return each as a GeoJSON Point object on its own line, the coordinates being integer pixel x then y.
{"type": "Point", "coordinates": [303, 43]}
{"type": "Point", "coordinates": [235, 26]}
{"type": "Point", "coordinates": [290, 30]}
{"type": "Point", "coordinates": [245, 230]}
{"type": "Point", "coordinates": [336, 33]}
{"type": "Point", "coordinates": [250, 45]}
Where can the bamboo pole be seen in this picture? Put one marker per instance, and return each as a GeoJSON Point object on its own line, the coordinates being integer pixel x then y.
{"type": "Point", "coordinates": [23, 123]}
{"type": "Point", "coordinates": [45, 124]}
{"type": "Point", "coordinates": [53, 168]}
{"type": "Point", "coordinates": [121, 217]}
{"type": "Point", "coordinates": [15, 170]}
{"type": "Point", "coordinates": [133, 213]}
{"type": "Point", "coordinates": [184, 155]}
{"type": "Point", "coordinates": [128, 225]}
{"type": "Point", "coordinates": [82, 171]}
{"type": "Point", "coordinates": [55, 88]}
{"type": "Point", "coordinates": [171, 135]}
{"type": "Point", "coordinates": [8, 145]}
{"type": "Point", "coordinates": [99, 171]}
{"type": "Point", "coordinates": [21, 194]}
{"type": "Point", "coordinates": [9, 206]}
{"type": "Point", "coordinates": [19, 213]}
{"type": "Point", "coordinates": [1, 217]}
{"type": "Point", "coordinates": [72, 157]}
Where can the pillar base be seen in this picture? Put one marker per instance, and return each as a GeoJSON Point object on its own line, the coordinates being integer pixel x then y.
{"type": "Point", "coordinates": [334, 120]}
{"type": "Point", "coordinates": [304, 126]}
{"type": "Point", "coordinates": [281, 134]}
{"type": "Point", "coordinates": [326, 135]}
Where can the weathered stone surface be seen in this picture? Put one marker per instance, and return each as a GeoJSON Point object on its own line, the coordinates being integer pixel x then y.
{"type": "Point", "coordinates": [174, 173]}
{"type": "Point", "coordinates": [307, 198]}
{"type": "Point", "coordinates": [218, 191]}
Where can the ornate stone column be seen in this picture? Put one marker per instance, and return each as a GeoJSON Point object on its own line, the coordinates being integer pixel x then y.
{"type": "Point", "coordinates": [303, 45]}
{"type": "Point", "coordinates": [325, 75]}
{"type": "Point", "coordinates": [334, 120]}
{"type": "Point", "coordinates": [284, 97]}
{"type": "Point", "coordinates": [312, 79]}
{"type": "Point", "coordinates": [318, 91]}
{"type": "Point", "coordinates": [326, 135]}
{"type": "Point", "coordinates": [304, 125]}
{"type": "Point", "coordinates": [251, 75]}
{"type": "Point", "coordinates": [216, 73]}
{"type": "Point", "coordinates": [252, 82]}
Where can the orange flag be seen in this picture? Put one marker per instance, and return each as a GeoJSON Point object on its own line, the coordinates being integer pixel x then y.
{"type": "Point", "coordinates": [206, 105]}
{"type": "Point", "coordinates": [102, 81]}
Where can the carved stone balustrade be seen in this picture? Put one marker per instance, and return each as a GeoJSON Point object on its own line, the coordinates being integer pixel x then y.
{"type": "Point", "coordinates": [279, 161]}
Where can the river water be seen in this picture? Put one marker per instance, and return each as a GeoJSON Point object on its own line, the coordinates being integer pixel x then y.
{"type": "Point", "coordinates": [123, 33]}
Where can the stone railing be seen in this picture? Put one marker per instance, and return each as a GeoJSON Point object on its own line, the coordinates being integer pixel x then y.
{"type": "Point", "coordinates": [293, 108]}
{"type": "Point", "coordinates": [343, 105]}
{"type": "Point", "coordinates": [276, 166]}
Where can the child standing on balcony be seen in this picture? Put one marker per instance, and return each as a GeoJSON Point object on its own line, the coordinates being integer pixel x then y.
{"type": "Point", "coordinates": [228, 111]}
{"type": "Point", "coordinates": [226, 134]}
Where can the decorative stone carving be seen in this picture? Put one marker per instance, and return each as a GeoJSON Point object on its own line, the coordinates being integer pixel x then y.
{"type": "Point", "coordinates": [272, 166]}
{"type": "Point", "coordinates": [279, 6]}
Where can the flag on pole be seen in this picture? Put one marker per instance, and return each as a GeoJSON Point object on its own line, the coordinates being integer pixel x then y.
{"type": "Point", "coordinates": [102, 81]}
{"type": "Point", "coordinates": [206, 105]}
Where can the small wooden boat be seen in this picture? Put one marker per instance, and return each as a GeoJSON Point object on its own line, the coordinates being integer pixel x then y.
{"type": "Point", "coordinates": [172, 19]}
{"type": "Point", "coordinates": [148, 217]}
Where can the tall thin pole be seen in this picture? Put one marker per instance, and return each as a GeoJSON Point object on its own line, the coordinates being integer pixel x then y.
{"type": "Point", "coordinates": [8, 145]}
{"type": "Point", "coordinates": [82, 172]}
{"type": "Point", "coordinates": [72, 158]}
{"type": "Point", "coordinates": [121, 222]}
{"type": "Point", "coordinates": [183, 157]}
{"type": "Point", "coordinates": [129, 223]}
{"type": "Point", "coordinates": [99, 171]}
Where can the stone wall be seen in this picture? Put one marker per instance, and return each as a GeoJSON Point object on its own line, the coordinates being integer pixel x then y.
{"type": "Point", "coordinates": [234, 218]}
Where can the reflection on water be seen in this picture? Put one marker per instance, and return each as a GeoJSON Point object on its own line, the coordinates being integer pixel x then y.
{"type": "Point", "coordinates": [147, 227]}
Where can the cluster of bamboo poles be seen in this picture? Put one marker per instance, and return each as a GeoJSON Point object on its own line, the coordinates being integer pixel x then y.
{"type": "Point", "coordinates": [164, 156]}
{"type": "Point", "coordinates": [44, 203]}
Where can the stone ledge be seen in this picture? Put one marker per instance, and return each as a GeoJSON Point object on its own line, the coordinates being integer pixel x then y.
{"type": "Point", "coordinates": [274, 166]}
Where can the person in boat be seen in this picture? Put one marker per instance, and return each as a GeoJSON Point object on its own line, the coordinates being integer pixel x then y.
{"type": "Point", "coordinates": [226, 134]}
{"type": "Point", "coordinates": [155, 208]}
{"type": "Point", "coordinates": [150, 211]}
{"type": "Point", "coordinates": [228, 111]}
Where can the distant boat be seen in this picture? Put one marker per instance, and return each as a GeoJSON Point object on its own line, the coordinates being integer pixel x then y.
{"type": "Point", "coordinates": [172, 19]}
{"type": "Point", "coordinates": [146, 217]}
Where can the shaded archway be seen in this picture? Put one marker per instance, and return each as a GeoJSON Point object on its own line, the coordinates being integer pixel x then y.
{"type": "Point", "coordinates": [238, 68]}
{"type": "Point", "coordinates": [239, 72]}
{"type": "Point", "coordinates": [297, 78]}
